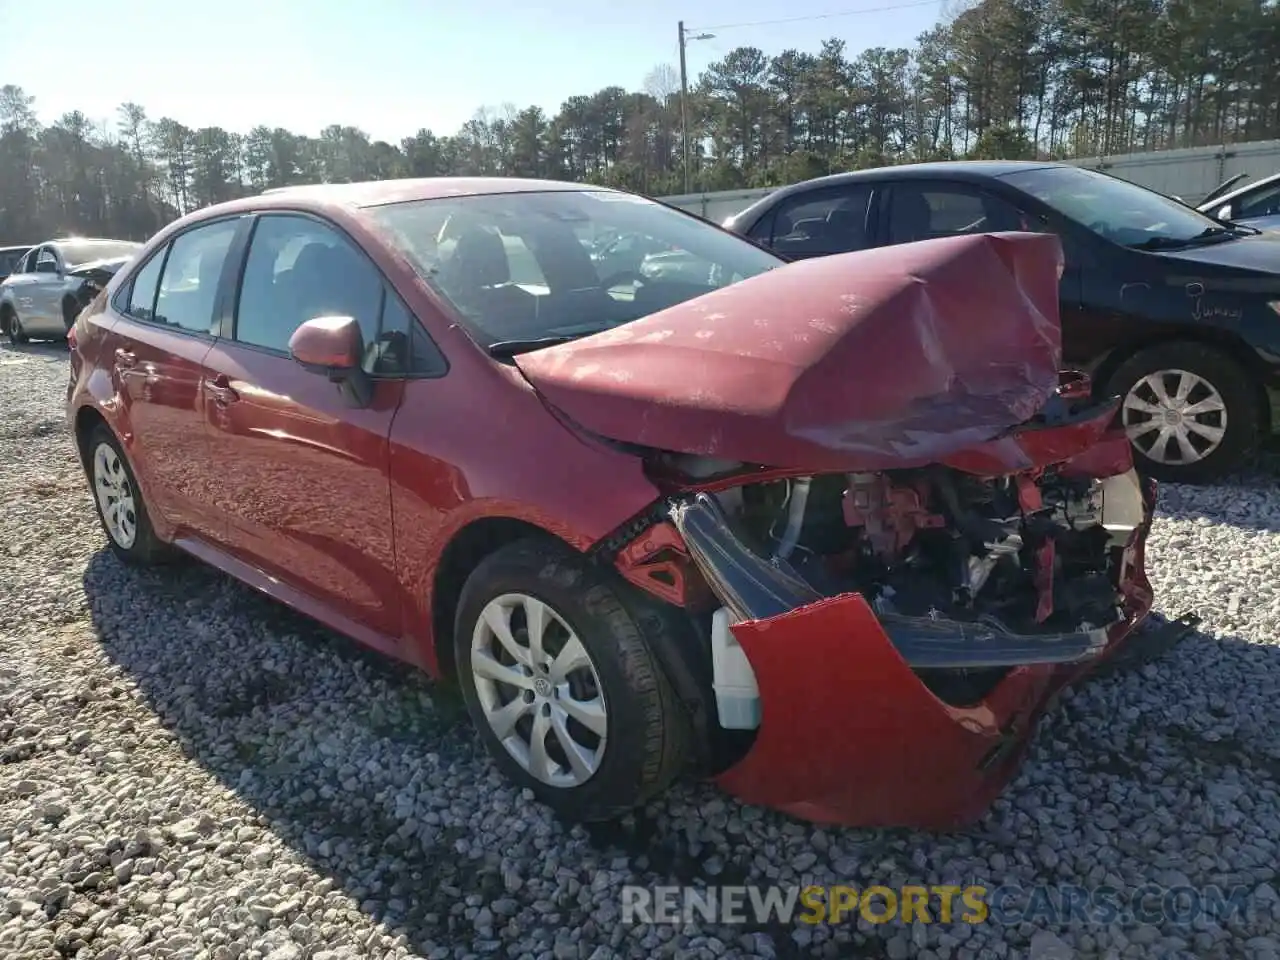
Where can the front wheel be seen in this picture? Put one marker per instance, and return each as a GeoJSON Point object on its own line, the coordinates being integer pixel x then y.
{"type": "Point", "coordinates": [561, 684]}
{"type": "Point", "coordinates": [1190, 411]}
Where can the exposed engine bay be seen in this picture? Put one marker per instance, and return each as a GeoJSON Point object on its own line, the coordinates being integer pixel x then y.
{"type": "Point", "coordinates": [968, 576]}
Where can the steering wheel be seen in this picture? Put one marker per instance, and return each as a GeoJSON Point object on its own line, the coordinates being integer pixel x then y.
{"type": "Point", "coordinates": [621, 277]}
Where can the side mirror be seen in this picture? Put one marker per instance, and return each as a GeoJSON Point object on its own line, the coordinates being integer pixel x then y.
{"type": "Point", "coordinates": [334, 346]}
{"type": "Point", "coordinates": [1225, 212]}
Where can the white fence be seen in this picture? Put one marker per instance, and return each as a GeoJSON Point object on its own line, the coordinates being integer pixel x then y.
{"type": "Point", "coordinates": [1190, 173]}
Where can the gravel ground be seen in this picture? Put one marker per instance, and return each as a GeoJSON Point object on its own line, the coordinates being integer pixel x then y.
{"type": "Point", "coordinates": [190, 771]}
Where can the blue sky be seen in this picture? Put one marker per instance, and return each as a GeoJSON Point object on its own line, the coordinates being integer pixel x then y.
{"type": "Point", "coordinates": [388, 66]}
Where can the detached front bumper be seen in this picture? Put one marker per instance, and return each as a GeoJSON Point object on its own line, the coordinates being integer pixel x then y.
{"type": "Point", "coordinates": [850, 735]}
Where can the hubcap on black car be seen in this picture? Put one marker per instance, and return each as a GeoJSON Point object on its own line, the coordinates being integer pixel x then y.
{"type": "Point", "coordinates": [1174, 417]}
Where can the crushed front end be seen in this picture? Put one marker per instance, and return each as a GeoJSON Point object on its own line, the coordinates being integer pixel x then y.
{"type": "Point", "coordinates": [887, 640]}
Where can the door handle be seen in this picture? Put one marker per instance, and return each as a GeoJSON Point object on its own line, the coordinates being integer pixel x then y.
{"type": "Point", "coordinates": [221, 390]}
{"type": "Point", "coordinates": [125, 359]}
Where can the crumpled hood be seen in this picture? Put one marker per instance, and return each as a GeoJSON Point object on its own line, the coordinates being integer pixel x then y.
{"type": "Point", "coordinates": [107, 266]}
{"type": "Point", "coordinates": [883, 358]}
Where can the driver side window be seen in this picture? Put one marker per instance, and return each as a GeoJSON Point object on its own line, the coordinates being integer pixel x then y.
{"type": "Point", "coordinates": [926, 211]}
{"type": "Point", "coordinates": [299, 269]}
{"type": "Point", "coordinates": [46, 262]}
{"type": "Point", "coordinates": [1263, 204]}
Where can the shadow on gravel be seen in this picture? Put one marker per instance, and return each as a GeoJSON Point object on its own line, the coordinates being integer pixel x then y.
{"type": "Point", "coordinates": [1245, 499]}
{"type": "Point", "coordinates": [237, 713]}
{"type": "Point", "coordinates": [238, 678]}
{"type": "Point", "coordinates": [43, 350]}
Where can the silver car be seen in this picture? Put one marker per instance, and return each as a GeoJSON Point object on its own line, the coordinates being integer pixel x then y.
{"type": "Point", "coordinates": [52, 283]}
{"type": "Point", "coordinates": [1256, 204]}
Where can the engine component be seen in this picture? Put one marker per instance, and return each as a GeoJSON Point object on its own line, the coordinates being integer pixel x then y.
{"type": "Point", "coordinates": [997, 564]}
{"type": "Point", "coordinates": [890, 515]}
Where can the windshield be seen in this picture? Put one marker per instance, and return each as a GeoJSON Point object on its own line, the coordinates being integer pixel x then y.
{"type": "Point", "coordinates": [76, 252]}
{"type": "Point", "coordinates": [558, 264]}
{"type": "Point", "coordinates": [1123, 212]}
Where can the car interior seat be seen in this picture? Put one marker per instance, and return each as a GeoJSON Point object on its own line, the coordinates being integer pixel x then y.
{"type": "Point", "coordinates": [911, 218]}
{"type": "Point", "coordinates": [847, 229]}
{"type": "Point", "coordinates": [477, 278]}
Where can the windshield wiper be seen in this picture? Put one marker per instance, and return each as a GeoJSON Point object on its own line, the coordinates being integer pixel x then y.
{"type": "Point", "coordinates": [1207, 235]}
{"type": "Point", "coordinates": [509, 348]}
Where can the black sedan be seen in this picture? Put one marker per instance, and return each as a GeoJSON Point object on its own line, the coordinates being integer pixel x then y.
{"type": "Point", "coordinates": [1174, 311]}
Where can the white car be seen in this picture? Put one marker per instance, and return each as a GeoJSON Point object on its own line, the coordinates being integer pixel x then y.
{"type": "Point", "coordinates": [52, 283]}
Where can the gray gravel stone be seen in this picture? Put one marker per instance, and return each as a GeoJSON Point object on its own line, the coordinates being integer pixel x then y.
{"type": "Point", "coordinates": [191, 771]}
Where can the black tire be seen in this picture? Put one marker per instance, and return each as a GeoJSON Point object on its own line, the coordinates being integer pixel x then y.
{"type": "Point", "coordinates": [145, 548]}
{"type": "Point", "coordinates": [13, 328]}
{"type": "Point", "coordinates": [647, 728]}
{"type": "Point", "coordinates": [1224, 374]}
{"type": "Point", "coordinates": [70, 310]}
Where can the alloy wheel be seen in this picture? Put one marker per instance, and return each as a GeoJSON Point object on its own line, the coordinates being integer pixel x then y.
{"type": "Point", "coordinates": [115, 496]}
{"type": "Point", "coordinates": [539, 690]}
{"type": "Point", "coordinates": [1174, 417]}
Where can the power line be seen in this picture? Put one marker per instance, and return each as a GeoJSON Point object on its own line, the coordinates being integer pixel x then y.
{"type": "Point", "coordinates": [818, 16]}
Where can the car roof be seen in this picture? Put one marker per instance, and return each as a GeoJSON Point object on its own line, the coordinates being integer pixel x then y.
{"type": "Point", "coordinates": [370, 193]}
{"type": "Point", "coordinates": [14, 249]}
{"type": "Point", "coordinates": [88, 240]}
{"type": "Point", "coordinates": [953, 169]}
{"type": "Point", "coordinates": [974, 171]}
{"type": "Point", "coordinates": [1241, 191]}
{"type": "Point", "coordinates": [325, 198]}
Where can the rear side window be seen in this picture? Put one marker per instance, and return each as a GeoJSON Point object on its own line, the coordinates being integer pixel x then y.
{"type": "Point", "coordinates": [821, 223]}
{"type": "Point", "coordinates": [189, 283]}
{"type": "Point", "coordinates": [142, 291]}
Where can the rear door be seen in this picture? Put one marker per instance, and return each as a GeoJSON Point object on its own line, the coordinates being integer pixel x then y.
{"type": "Point", "coordinates": [304, 477]}
{"type": "Point", "coordinates": [818, 222]}
{"type": "Point", "coordinates": [155, 351]}
{"type": "Point", "coordinates": [30, 287]}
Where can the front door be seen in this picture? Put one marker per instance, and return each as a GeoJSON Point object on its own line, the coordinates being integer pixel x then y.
{"type": "Point", "coordinates": [305, 487]}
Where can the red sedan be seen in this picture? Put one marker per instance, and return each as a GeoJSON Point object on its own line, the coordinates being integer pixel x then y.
{"type": "Point", "coordinates": [829, 532]}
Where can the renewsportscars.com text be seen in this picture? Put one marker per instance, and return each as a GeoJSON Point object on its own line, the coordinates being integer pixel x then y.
{"type": "Point", "coordinates": [974, 904]}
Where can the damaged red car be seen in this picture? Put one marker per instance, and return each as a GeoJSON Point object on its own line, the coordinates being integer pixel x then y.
{"type": "Point", "coordinates": [833, 533]}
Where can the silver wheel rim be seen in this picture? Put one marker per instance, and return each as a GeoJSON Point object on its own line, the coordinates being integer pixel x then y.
{"type": "Point", "coordinates": [1175, 417]}
{"type": "Point", "coordinates": [539, 690]}
{"type": "Point", "coordinates": [115, 496]}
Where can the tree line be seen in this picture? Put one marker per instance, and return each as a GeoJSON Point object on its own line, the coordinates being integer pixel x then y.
{"type": "Point", "coordinates": [1014, 79]}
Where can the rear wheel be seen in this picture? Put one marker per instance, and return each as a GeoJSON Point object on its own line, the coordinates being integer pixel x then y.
{"type": "Point", "coordinates": [561, 684]}
{"type": "Point", "coordinates": [13, 327]}
{"type": "Point", "coordinates": [118, 498]}
{"type": "Point", "coordinates": [1190, 411]}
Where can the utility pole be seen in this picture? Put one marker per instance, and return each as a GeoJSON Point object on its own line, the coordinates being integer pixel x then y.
{"type": "Point", "coordinates": [684, 110]}
{"type": "Point", "coordinates": [684, 96]}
